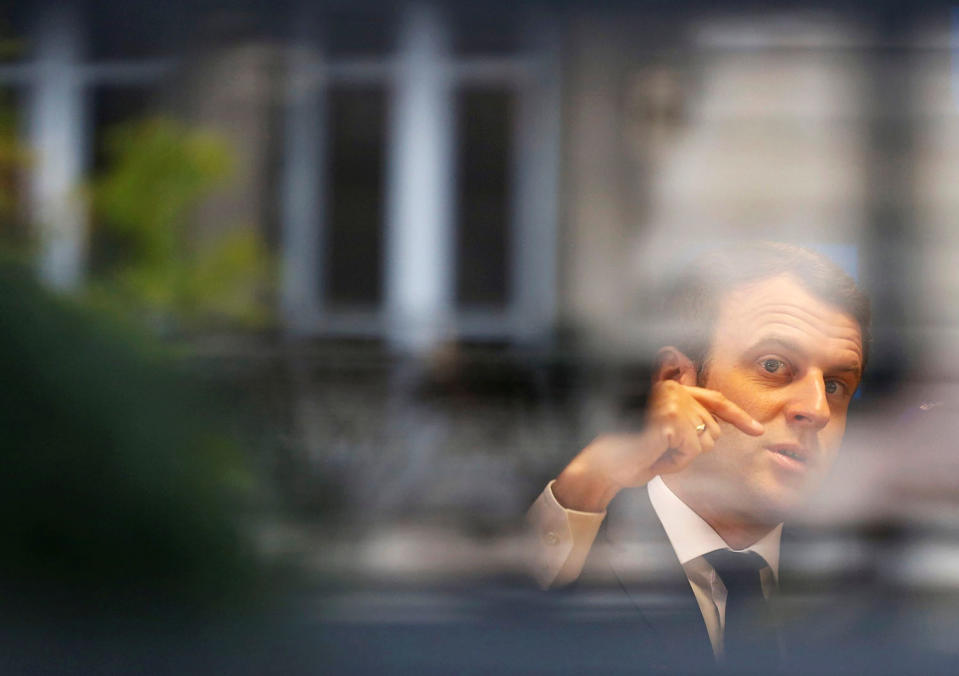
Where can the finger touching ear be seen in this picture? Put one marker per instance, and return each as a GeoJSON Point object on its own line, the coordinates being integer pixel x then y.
{"type": "Point", "coordinates": [673, 364]}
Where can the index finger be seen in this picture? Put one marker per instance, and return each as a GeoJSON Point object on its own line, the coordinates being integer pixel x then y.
{"type": "Point", "coordinates": [727, 410]}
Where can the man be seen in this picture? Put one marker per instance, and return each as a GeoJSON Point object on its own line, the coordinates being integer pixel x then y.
{"type": "Point", "coordinates": [746, 413]}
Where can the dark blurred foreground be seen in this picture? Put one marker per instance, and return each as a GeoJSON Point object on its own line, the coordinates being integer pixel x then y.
{"type": "Point", "coordinates": [122, 483]}
{"type": "Point", "coordinates": [476, 629]}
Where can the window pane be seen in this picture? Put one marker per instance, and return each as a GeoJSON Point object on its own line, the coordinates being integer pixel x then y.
{"type": "Point", "coordinates": [357, 119]}
{"type": "Point", "coordinates": [113, 106]}
{"type": "Point", "coordinates": [483, 196]}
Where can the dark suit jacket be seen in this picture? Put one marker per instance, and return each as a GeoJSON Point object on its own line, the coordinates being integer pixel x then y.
{"type": "Point", "coordinates": [633, 569]}
{"type": "Point", "coordinates": [633, 558]}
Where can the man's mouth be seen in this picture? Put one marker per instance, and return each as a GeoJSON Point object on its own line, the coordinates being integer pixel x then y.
{"type": "Point", "coordinates": [792, 455]}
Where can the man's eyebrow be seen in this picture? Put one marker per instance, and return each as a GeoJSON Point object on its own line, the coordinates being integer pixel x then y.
{"type": "Point", "coordinates": [791, 346]}
{"type": "Point", "coordinates": [853, 368]}
{"type": "Point", "coordinates": [776, 341]}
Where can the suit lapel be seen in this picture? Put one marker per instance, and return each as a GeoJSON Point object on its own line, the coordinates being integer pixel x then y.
{"type": "Point", "coordinates": [643, 562]}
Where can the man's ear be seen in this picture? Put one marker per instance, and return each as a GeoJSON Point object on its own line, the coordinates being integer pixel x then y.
{"type": "Point", "coordinates": [673, 364]}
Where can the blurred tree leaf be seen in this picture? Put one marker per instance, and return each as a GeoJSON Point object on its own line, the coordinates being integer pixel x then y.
{"type": "Point", "coordinates": [14, 158]}
{"type": "Point", "coordinates": [159, 170]}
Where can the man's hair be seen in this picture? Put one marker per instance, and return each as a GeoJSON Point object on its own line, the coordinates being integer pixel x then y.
{"type": "Point", "coordinates": [692, 304]}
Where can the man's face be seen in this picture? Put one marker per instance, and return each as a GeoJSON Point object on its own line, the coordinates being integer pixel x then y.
{"type": "Point", "coordinates": [792, 362]}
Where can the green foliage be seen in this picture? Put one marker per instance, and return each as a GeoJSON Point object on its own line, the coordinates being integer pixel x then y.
{"type": "Point", "coordinates": [118, 477]}
{"type": "Point", "coordinates": [148, 258]}
{"type": "Point", "coordinates": [14, 157]}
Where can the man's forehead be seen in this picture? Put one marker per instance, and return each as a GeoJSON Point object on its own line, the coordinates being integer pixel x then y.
{"type": "Point", "coordinates": [781, 305]}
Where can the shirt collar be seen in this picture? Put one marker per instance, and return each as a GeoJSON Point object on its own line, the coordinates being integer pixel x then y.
{"type": "Point", "coordinates": [692, 537]}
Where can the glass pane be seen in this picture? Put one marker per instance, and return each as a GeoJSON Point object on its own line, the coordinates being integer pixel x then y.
{"type": "Point", "coordinates": [112, 106]}
{"type": "Point", "coordinates": [357, 121]}
{"type": "Point", "coordinates": [484, 118]}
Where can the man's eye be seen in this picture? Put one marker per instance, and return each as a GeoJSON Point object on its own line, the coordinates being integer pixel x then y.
{"type": "Point", "coordinates": [833, 386]}
{"type": "Point", "coordinates": [773, 365]}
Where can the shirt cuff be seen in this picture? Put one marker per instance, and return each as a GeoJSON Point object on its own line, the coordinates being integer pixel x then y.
{"type": "Point", "coordinates": [561, 539]}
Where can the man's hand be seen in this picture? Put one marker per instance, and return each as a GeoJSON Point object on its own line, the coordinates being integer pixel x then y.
{"type": "Point", "coordinates": [668, 443]}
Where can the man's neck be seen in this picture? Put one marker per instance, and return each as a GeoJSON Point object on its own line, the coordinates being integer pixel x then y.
{"type": "Point", "coordinates": [736, 530]}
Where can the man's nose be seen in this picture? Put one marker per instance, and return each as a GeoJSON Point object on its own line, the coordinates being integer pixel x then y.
{"type": "Point", "coordinates": [808, 404]}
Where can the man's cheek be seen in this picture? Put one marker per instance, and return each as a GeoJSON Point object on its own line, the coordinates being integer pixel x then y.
{"type": "Point", "coordinates": [832, 440]}
{"type": "Point", "coordinates": [759, 408]}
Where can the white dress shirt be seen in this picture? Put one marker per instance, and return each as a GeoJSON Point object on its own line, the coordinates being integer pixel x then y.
{"type": "Point", "coordinates": [691, 538]}
{"type": "Point", "coordinates": [565, 537]}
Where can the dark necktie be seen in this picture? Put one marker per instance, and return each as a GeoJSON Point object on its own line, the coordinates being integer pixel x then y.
{"type": "Point", "coordinates": [750, 636]}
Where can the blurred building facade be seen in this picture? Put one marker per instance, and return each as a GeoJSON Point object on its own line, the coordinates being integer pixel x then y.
{"type": "Point", "coordinates": [438, 175]}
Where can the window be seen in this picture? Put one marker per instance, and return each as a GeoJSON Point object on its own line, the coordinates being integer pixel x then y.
{"type": "Point", "coordinates": [354, 228]}
{"type": "Point", "coordinates": [484, 117]}
{"type": "Point", "coordinates": [112, 106]}
{"type": "Point", "coordinates": [352, 98]}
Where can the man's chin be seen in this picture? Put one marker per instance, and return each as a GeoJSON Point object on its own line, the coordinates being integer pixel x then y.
{"type": "Point", "coordinates": [775, 507]}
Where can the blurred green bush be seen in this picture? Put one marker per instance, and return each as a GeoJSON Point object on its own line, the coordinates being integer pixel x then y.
{"type": "Point", "coordinates": [118, 479]}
